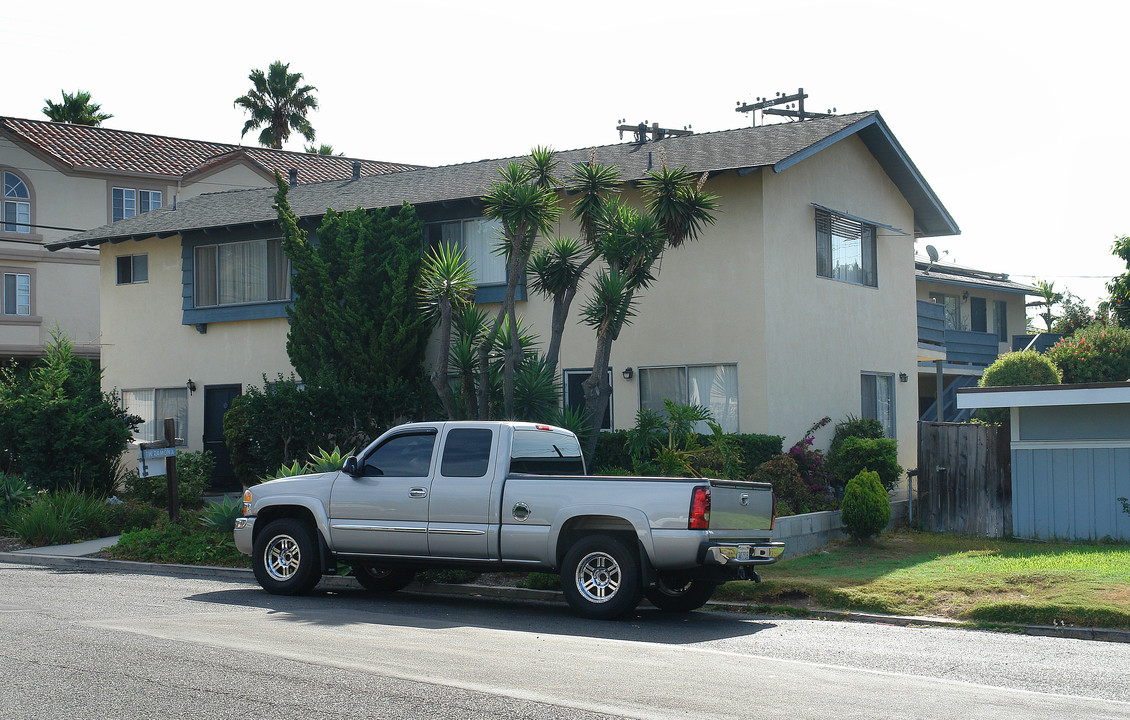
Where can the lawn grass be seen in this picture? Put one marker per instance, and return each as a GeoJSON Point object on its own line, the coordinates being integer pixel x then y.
{"type": "Point", "coordinates": [982, 580]}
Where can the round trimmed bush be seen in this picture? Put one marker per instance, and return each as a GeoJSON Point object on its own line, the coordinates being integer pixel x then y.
{"type": "Point", "coordinates": [1097, 353]}
{"type": "Point", "coordinates": [866, 508]}
{"type": "Point", "coordinates": [1026, 367]}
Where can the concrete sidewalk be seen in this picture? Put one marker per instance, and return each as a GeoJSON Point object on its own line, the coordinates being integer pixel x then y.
{"type": "Point", "coordinates": [82, 549]}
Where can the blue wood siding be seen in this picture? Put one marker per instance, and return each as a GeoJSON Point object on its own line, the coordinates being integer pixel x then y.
{"type": "Point", "coordinates": [1070, 493]}
{"type": "Point", "coordinates": [931, 323]}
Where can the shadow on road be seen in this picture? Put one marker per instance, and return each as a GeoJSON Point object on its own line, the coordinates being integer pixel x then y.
{"type": "Point", "coordinates": [335, 608]}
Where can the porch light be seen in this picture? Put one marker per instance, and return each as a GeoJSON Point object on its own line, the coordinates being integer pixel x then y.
{"type": "Point", "coordinates": [628, 373]}
{"type": "Point", "coordinates": [190, 385]}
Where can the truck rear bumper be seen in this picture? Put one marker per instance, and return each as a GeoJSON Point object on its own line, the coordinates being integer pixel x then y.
{"type": "Point", "coordinates": [736, 555]}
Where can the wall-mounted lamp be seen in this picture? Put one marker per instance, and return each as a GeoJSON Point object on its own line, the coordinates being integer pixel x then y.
{"type": "Point", "coordinates": [965, 295]}
{"type": "Point", "coordinates": [903, 377]}
{"type": "Point", "coordinates": [628, 373]}
{"type": "Point", "coordinates": [190, 385]}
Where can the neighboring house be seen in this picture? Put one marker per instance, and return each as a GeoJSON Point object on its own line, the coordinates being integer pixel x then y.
{"type": "Point", "coordinates": [966, 319]}
{"type": "Point", "coordinates": [59, 179]}
{"type": "Point", "coordinates": [793, 305]}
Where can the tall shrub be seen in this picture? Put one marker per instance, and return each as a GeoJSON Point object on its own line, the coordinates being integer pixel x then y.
{"type": "Point", "coordinates": [1097, 353]}
{"type": "Point", "coordinates": [866, 509]}
{"type": "Point", "coordinates": [57, 428]}
{"type": "Point", "coordinates": [1026, 367]}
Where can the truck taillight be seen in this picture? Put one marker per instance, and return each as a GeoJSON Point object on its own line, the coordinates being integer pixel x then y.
{"type": "Point", "coordinates": [700, 509]}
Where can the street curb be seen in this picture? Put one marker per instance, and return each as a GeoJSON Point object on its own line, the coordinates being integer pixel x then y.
{"type": "Point", "coordinates": [332, 582]}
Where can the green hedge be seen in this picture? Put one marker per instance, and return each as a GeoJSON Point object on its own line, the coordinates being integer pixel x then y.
{"type": "Point", "coordinates": [754, 449]}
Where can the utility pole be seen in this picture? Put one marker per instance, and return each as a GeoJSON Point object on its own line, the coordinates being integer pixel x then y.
{"type": "Point", "coordinates": [643, 130]}
{"type": "Point", "coordinates": [794, 107]}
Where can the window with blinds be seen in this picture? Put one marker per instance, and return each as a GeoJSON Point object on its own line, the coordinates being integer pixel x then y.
{"type": "Point", "coordinates": [241, 272]}
{"type": "Point", "coordinates": [845, 249]}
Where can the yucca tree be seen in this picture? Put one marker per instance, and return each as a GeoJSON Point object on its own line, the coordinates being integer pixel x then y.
{"type": "Point", "coordinates": [524, 200]}
{"type": "Point", "coordinates": [446, 285]}
{"type": "Point", "coordinates": [77, 109]}
{"type": "Point", "coordinates": [278, 103]}
{"type": "Point", "coordinates": [470, 331]}
{"type": "Point", "coordinates": [630, 243]}
{"type": "Point", "coordinates": [555, 271]}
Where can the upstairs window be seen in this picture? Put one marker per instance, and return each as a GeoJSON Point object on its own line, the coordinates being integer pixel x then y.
{"type": "Point", "coordinates": [845, 249]}
{"type": "Point", "coordinates": [133, 269]}
{"type": "Point", "coordinates": [17, 204]}
{"type": "Point", "coordinates": [241, 272]}
{"type": "Point", "coordinates": [952, 305]}
{"type": "Point", "coordinates": [1000, 319]}
{"type": "Point", "coordinates": [479, 240]}
{"type": "Point", "coordinates": [15, 294]}
{"type": "Point", "coordinates": [128, 202]}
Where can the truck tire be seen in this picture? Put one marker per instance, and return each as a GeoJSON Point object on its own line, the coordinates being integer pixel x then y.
{"type": "Point", "coordinates": [285, 558]}
{"type": "Point", "coordinates": [675, 592]}
{"type": "Point", "coordinates": [600, 577]}
{"type": "Point", "coordinates": [383, 578]}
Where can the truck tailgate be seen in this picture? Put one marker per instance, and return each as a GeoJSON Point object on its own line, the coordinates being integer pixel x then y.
{"type": "Point", "coordinates": [740, 507]}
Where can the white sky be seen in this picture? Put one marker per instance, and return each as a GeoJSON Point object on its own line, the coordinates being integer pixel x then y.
{"type": "Point", "coordinates": [1015, 112]}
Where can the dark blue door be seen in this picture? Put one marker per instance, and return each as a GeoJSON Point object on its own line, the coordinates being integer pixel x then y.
{"type": "Point", "coordinates": [217, 400]}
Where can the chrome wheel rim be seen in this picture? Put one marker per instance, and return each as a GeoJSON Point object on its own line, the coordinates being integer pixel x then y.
{"type": "Point", "coordinates": [598, 577]}
{"type": "Point", "coordinates": [282, 557]}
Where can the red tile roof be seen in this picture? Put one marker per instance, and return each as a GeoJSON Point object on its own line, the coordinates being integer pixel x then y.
{"type": "Point", "coordinates": [102, 149]}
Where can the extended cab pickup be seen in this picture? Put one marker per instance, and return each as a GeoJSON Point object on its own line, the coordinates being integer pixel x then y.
{"type": "Point", "coordinates": [513, 496]}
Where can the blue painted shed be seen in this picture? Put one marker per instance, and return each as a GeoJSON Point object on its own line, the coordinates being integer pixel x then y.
{"type": "Point", "coordinates": [1070, 449]}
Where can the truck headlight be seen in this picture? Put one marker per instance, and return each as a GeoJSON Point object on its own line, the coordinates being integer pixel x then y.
{"type": "Point", "coordinates": [247, 502]}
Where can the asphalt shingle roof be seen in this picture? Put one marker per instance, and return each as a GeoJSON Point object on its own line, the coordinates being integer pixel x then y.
{"type": "Point", "coordinates": [103, 149]}
{"type": "Point", "coordinates": [767, 146]}
{"type": "Point", "coordinates": [960, 275]}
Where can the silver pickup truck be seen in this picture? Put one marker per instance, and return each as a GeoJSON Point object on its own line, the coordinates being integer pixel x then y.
{"type": "Point", "coordinates": [495, 496]}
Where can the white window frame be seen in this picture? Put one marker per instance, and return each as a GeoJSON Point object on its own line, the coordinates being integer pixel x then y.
{"type": "Point", "coordinates": [491, 235]}
{"type": "Point", "coordinates": [148, 200]}
{"type": "Point", "coordinates": [135, 261]}
{"type": "Point", "coordinates": [702, 427]}
{"type": "Point", "coordinates": [18, 205]}
{"type": "Point", "coordinates": [147, 431]}
{"type": "Point", "coordinates": [129, 209]}
{"type": "Point", "coordinates": [875, 412]}
{"type": "Point", "coordinates": [23, 295]}
{"type": "Point", "coordinates": [270, 287]}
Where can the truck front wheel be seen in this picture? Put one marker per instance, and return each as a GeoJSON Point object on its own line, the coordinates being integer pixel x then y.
{"type": "Point", "coordinates": [601, 578]}
{"type": "Point", "coordinates": [675, 592]}
{"type": "Point", "coordinates": [285, 558]}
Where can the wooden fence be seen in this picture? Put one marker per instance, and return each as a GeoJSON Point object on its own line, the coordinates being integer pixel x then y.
{"type": "Point", "coordinates": [964, 479]}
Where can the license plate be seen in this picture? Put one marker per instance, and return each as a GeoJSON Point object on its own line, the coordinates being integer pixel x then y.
{"type": "Point", "coordinates": [743, 552]}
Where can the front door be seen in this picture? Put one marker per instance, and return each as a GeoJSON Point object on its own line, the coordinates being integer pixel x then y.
{"type": "Point", "coordinates": [217, 401]}
{"type": "Point", "coordinates": [384, 510]}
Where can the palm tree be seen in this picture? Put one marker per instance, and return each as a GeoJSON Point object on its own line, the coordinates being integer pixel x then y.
{"type": "Point", "coordinates": [1046, 290]}
{"type": "Point", "coordinates": [445, 286]}
{"type": "Point", "coordinates": [323, 149]}
{"type": "Point", "coordinates": [278, 104]}
{"type": "Point", "coordinates": [76, 108]}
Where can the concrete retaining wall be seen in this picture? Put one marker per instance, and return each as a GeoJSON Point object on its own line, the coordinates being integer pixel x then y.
{"type": "Point", "coordinates": [803, 534]}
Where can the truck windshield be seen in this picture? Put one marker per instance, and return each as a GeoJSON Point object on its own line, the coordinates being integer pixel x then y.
{"type": "Point", "coordinates": [539, 452]}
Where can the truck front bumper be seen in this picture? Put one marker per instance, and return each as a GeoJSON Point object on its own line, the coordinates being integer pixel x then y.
{"type": "Point", "coordinates": [244, 534]}
{"type": "Point", "coordinates": [737, 555]}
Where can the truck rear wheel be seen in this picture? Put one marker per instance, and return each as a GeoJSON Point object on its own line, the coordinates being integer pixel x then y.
{"type": "Point", "coordinates": [601, 578]}
{"type": "Point", "coordinates": [383, 578]}
{"type": "Point", "coordinates": [285, 558]}
{"type": "Point", "coordinates": [676, 592]}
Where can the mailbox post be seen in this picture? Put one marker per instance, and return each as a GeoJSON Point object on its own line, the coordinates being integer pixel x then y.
{"type": "Point", "coordinates": [166, 448]}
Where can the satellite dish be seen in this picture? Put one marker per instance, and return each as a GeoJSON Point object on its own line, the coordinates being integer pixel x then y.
{"type": "Point", "coordinates": [933, 253]}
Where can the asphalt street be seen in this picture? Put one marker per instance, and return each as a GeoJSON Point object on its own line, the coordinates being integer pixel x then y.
{"type": "Point", "coordinates": [103, 645]}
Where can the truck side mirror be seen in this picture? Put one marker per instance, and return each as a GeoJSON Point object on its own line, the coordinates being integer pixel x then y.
{"type": "Point", "coordinates": [350, 466]}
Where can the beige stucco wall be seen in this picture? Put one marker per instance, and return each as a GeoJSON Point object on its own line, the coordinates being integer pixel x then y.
{"type": "Point", "coordinates": [229, 177]}
{"type": "Point", "coordinates": [146, 346]}
{"type": "Point", "coordinates": [821, 334]}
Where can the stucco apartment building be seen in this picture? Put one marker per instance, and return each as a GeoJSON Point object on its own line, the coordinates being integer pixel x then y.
{"type": "Point", "coordinates": [59, 179]}
{"type": "Point", "coordinates": [797, 303]}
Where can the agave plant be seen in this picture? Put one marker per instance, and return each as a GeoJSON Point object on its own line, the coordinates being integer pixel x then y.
{"type": "Point", "coordinates": [295, 468]}
{"type": "Point", "coordinates": [13, 492]}
{"type": "Point", "coordinates": [327, 460]}
{"type": "Point", "coordinates": [222, 515]}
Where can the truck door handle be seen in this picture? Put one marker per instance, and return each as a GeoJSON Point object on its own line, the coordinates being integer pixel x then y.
{"type": "Point", "coordinates": [418, 492]}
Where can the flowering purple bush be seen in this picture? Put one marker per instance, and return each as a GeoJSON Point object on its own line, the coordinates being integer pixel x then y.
{"type": "Point", "coordinates": [810, 462]}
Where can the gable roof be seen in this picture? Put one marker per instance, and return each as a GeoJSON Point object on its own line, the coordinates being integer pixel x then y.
{"type": "Point", "coordinates": [97, 149]}
{"type": "Point", "coordinates": [776, 147]}
{"type": "Point", "coordinates": [949, 274]}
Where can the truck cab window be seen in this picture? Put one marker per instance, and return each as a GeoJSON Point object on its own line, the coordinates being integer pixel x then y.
{"type": "Point", "coordinates": [401, 456]}
{"type": "Point", "coordinates": [466, 453]}
{"type": "Point", "coordinates": [538, 452]}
